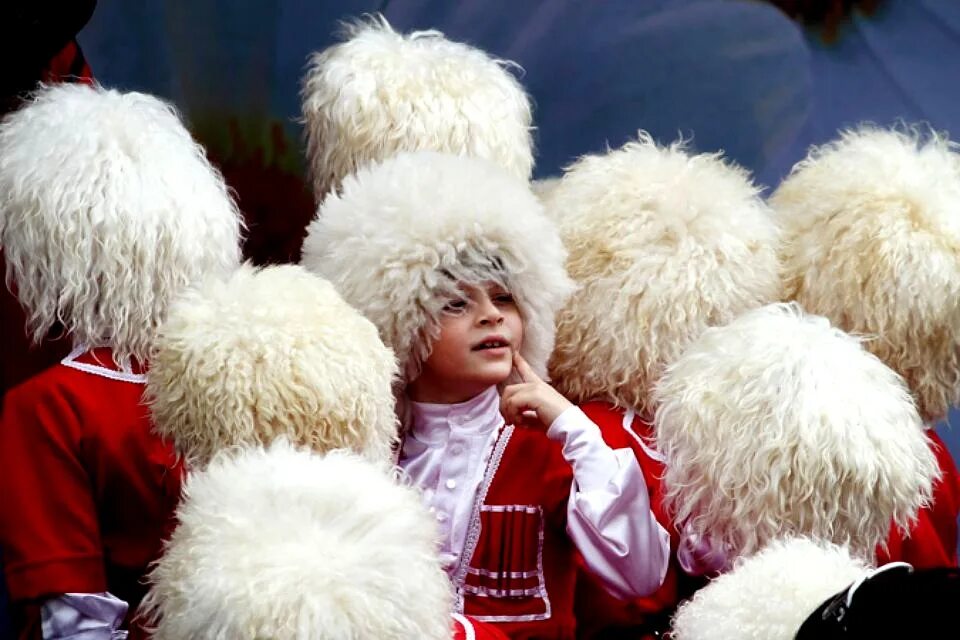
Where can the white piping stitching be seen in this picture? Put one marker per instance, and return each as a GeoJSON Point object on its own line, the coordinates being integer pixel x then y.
{"type": "Point", "coordinates": [502, 574]}
{"type": "Point", "coordinates": [652, 453]}
{"type": "Point", "coordinates": [510, 508]}
{"type": "Point", "coordinates": [489, 592]}
{"type": "Point", "coordinates": [543, 579]}
{"type": "Point", "coordinates": [468, 631]}
{"type": "Point", "coordinates": [97, 370]}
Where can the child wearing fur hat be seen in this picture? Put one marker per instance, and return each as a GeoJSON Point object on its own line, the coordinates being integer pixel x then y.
{"type": "Point", "coordinates": [455, 262]}
{"type": "Point", "coordinates": [872, 242]}
{"type": "Point", "coordinates": [109, 209]}
{"type": "Point", "coordinates": [663, 244]}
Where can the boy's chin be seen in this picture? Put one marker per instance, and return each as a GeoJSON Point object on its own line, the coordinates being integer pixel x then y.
{"type": "Point", "coordinates": [493, 378]}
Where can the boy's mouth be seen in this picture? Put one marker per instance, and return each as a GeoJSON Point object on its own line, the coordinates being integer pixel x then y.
{"type": "Point", "coordinates": [491, 342]}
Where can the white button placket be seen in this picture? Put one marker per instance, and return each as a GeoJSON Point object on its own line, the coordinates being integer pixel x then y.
{"type": "Point", "coordinates": [453, 467]}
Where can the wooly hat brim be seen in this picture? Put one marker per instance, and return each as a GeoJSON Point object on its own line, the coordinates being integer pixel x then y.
{"type": "Point", "coordinates": [280, 543]}
{"type": "Point", "coordinates": [402, 234]}
{"type": "Point", "coordinates": [872, 241]}
{"type": "Point", "coordinates": [380, 93]}
{"type": "Point", "coordinates": [271, 353]}
{"type": "Point", "coordinates": [109, 210]}
{"type": "Point", "coordinates": [663, 243]}
{"type": "Point", "coordinates": [777, 424]}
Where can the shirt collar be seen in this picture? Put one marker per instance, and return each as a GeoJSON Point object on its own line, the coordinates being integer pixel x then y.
{"type": "Point", "coordinates": [432, 423]}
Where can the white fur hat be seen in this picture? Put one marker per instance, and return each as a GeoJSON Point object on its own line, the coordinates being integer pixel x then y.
{"type": "Point", "coordinates": [768, 595]}
{"type": "Point", "coordinates": [109, 209]}
{"type": "Point", "coordinates": [872, 241]}
{"type": "Point", "coordinates": [663, 244]}
{"type": "Point", "coordinates": [282, 543]}
{"type": "Point", "coordinates": [402, 234]}
{"type": "Point", "coordinates": [777, 424]}
{"type": "Point", "coordinates": [381, 92]}
{"type": "Point", "coordinates": [271, 353]}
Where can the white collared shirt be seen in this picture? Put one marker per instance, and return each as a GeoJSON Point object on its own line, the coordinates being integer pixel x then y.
{"type": "Point", "coordinates": [445, 455]}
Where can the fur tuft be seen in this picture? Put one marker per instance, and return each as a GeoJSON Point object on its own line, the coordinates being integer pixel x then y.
{"type": "Point", "coordinates": [380, 93]}
{"type": "Point", "coordinates": [663, 245]}
{"type": "Point", "coordinates": [872, 229]}
{"type": "Point", "coordinates": [780, 424]}
{"type": "Point", "coordinates": [403, 233]}
{"type": "Point", "coordinates": [109, 209]}
{"type": "Point", "coordinates": [271, 353]}
{"type": "Point", "coordinates": [543, 188]}
{"type": "Point", "coordinates": [282, 543]}
{"type": "Point", "coordinates": [769, 595]}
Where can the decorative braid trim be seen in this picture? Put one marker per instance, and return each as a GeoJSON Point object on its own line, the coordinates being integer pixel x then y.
{"type": "Point", "coordinates": [473, 532]}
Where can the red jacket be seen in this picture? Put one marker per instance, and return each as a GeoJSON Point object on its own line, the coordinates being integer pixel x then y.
{"type": "Point", "coordinates": [88, 491]}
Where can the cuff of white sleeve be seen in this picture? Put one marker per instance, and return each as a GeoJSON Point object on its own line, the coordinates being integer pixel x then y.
{"type": "Point", "coordinates": [83, 616]}
{"type": "Point", "coordinates": [701, 556]}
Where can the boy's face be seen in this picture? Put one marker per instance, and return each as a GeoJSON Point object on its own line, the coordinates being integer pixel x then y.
{"type": "Point", "coordinates": [478, 336]}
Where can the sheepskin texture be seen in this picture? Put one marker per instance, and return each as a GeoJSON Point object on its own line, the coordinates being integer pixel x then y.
{"type": "Point", "coordinates": [543, 187]}
{"type": "Point", "coordinates": [872, 241]}
{"type": "Point", "coordinates": [381, 92]}
{"type": "Point", "coordinates": [769, 595]}
{"type": "Point", "coordinates": [778, 424]}
{"type": "Point", "coordinates": [271, 353]}
{"type": "Point", "coordinates": [283, 544]}
{"type": "Point", "coordinates": [663, 244]}
{"type": "Point", "coordinates": [404, 233]}
{"type": "Point", "coordinates": [109, 209]}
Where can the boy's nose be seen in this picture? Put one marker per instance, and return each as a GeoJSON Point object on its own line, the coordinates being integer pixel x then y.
{"type": "Point", "coordinates": [489, 312]}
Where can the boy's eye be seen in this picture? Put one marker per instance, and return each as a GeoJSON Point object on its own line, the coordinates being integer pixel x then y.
{"type": "Point", "coordinates": [455, 306]}
{"type": "Point", "coordinates": [503, 298]}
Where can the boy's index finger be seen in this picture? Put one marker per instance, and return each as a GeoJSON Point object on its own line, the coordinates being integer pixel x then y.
{"type": "Point", "coordinates": [527, 374]}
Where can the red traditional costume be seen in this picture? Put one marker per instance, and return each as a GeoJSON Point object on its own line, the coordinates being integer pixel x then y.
{"type": "Point", "coordinates": [105, 197]}
{"type": "Point", "coordinates": [516, 507]}
{"type": "Point", "coordinates": [662, 244]}
{"type": "Point", "coordinates": [78, 437]}
{"type": "Point", "coordinates": [872, 243]}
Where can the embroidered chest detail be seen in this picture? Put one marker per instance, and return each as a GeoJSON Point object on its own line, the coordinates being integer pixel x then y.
{"type": "Point", "coordinates": [501, 577]}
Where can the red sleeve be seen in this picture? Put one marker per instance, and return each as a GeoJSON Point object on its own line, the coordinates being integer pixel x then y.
{"type": "Point", "coordinates": [48, 524]}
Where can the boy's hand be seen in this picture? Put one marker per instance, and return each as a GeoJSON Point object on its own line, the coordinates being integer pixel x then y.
{"type": "Point", "coordinates": [531, 402]}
